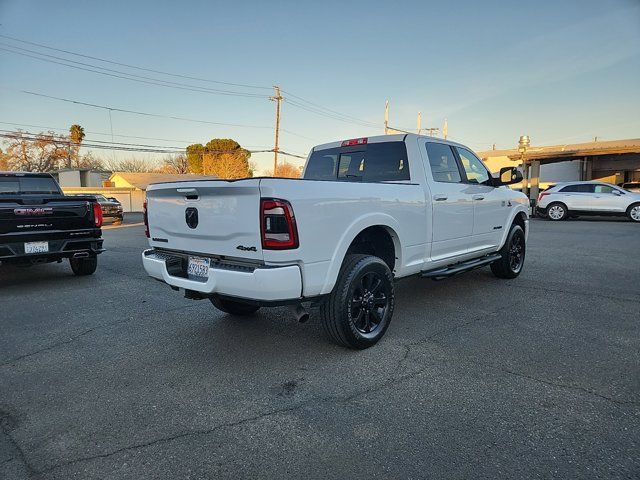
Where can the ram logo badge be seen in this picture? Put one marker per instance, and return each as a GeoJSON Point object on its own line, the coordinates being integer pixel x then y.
{"type": "Point", "coordinates": [191, 217]}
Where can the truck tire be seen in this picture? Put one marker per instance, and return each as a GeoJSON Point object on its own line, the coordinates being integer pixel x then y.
{"type": "Point", "coordinates": [512, 254]}
{"type": "Point", "coordinates": [234, 308]}
{"type": "Point", "coordinates": [84, 266]}
{"type": "Point", "coordinates": [358, 311]}
{"type": "Point", "coordinates": [557, 211]}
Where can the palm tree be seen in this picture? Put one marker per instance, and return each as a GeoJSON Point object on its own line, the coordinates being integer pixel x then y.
{"type": "Point", "coordinates": [76, 135]}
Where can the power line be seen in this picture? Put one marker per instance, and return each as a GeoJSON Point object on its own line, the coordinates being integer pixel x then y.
{"type": "Point", "coordinates": [128, 147]}
{"type": "Point", "coordinates": [176, 75]}
{"type": "Point", "coordinates": [120, 135]}
{"type": "Point", "coordinates": [310, 106]}
{"type": "Point", "coordinates": [330, 111]}
{"type": "Point", "coordinates": [155, 115]}
{"type": "Point", "coordinates": [135, 112]}
{"type": "Point", "coordinates": [329, 115]}
{"type": "Point", "coordinates": [129, 76]}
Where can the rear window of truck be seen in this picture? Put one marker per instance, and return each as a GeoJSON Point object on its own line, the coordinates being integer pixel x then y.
{"type": "Point", "coordinates": [374, 162]}
{"type": "Point", "coordinates": [16, 185]}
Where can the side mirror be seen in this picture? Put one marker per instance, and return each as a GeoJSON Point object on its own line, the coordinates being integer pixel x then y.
{"type": "Point", "coordinates": [509, 176]}
{"type": "Point", "coordinates": [616, 192]}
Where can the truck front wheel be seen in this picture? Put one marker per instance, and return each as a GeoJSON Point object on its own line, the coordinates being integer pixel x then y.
{"type": "Point", "coordinates": [358, 311]}
{"type": "Point", "coordinates": [234, 308]}
{"type": "Point", "coordinates": [512, 254]}
{"type": "Point", "coordinates": [84, 266]}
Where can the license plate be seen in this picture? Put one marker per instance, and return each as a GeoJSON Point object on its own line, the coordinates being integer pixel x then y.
{"type": "Point", "coordinates": [36, 247]}
{"type": "Point", "coordinates": [198, 267]}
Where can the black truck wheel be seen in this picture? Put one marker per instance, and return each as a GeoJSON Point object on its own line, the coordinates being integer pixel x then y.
{"type": "Point", "coordinates": [234, 308]}
{"type": "Point", "coordinates": [84, 266]}
{"type": "Point", "coordinates": [512, 254]}
{"type": "Point", "coordinates": [358, 311]}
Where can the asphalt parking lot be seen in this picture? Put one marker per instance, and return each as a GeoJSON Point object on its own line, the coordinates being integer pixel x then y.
{"type": "Point", "coordinates": [116, 376]}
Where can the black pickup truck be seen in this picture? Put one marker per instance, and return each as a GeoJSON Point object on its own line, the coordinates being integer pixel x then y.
{"type": "Point", "coordinates": [39, 224]}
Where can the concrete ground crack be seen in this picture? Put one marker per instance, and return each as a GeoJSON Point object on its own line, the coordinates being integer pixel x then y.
{"type": "Point", "coordinates": [567, 386]}
{"type": "Point", "coordinates": [21, 457]}
{"type": "Point", "coordinates": [85, 332]}
{"type": "Point", "coordinates": [171, 438]}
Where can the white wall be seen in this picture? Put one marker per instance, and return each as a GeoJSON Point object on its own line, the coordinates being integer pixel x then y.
{"type": "Point", "coordinates": [69, 178]}
{"type": "Point", "coordinates": [561, 172]}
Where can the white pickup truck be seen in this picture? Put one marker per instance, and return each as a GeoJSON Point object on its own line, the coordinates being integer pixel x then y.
{"type": "Point", "coordinates": [365, 212]}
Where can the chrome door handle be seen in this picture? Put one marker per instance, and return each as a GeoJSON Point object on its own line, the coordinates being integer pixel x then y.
{"type": "Point", "coordinates": [440, 198]}
{"type": "Point", "coordinates": [478, 197]}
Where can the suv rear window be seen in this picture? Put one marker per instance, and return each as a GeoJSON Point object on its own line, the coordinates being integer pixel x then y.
{"type": "Point", "coordinates": [374, 162]}
{"type": "Point", "coordinates": [28, 184]}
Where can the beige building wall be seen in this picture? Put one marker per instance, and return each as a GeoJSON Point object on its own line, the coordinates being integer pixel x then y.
{"type": "Point", "coordinates": [132, 199]}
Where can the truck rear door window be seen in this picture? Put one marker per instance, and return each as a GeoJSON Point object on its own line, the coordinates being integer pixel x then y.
{"type": "Point", "coordinates": [375, 162]}
{"type": "Point", "coordinates": [444, 166]}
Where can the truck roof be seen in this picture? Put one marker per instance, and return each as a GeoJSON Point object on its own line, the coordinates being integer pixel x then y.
{"type": "Point", "coordinates": [398, 137]}
{"type": "Point", "coordinates": [24, 174]}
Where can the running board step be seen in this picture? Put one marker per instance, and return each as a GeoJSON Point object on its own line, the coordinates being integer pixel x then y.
{"type": "Point", "coordinates": [442, 273]}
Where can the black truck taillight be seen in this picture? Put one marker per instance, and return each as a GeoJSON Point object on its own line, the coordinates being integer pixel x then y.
{"type": "Point", "coordinates": [278, 225]}
{"type": "Point", "coordinates": [145, 218]}
{"type": "Point", "coordinates": [97, 214]}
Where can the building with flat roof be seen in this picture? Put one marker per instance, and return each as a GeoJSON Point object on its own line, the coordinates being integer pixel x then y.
{"type": "Point", "coordinates": [613, 161]}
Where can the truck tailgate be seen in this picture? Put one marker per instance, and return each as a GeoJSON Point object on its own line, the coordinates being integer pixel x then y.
{"type": "Point", "coordinates": [210, 217]}
{"type": "Point", "coordinates": [23, 215]}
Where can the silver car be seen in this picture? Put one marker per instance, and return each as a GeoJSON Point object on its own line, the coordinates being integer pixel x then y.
{"type": "Point", "coordinates": [587, 198]}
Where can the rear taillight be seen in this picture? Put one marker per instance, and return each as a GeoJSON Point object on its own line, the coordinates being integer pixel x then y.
{"type": "Point", "coordinates": [97, 214]}
{"type": "Point", "coordinates": [278, 225]}
{"type": "Point", "coordinates": [145, 218]}
{"type": "Point", "coordinates": [542, 194]}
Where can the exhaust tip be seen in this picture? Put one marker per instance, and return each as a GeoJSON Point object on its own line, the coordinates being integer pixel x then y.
{"type": "Point", "coordinates": [301, 314]}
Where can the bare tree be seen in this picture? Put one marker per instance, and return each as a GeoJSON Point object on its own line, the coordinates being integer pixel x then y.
{"type": "Point", "coordinates": [4, 161]}
{"type": "Point", "coordinates": [175, 164]}
{"type": "Point", "coordinates": [132, 165]}
{"type": "Point", "coordinates": [44, 152]}
{"type": "Point", "coordinates": [88, 161]}
{"type": "Point", "coordinates": [286, 170]}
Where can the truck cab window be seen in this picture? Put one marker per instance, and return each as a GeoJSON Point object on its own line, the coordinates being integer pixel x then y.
{"type": "Point", "coordinates": [351, 167]}
{"type": "Point", "coordinates": [375, 162]}
{"type": "Point", "coordinates": [444, 166]}
{"type": "Point", "coordinates": [473, 167]}
{"type": "Point", "coordinates": [322, 166]}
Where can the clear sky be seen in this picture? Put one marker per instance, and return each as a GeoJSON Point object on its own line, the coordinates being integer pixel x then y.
{"type": "Point", "coordinates": [559, 71]}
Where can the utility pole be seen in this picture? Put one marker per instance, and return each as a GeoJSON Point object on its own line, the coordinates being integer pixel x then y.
{"type": "Point", "coordinates": [386, 117]}
{"type": "Point", "coordinates": [278, 99]}
{"type": "Point", "coordinates": [419, 126]}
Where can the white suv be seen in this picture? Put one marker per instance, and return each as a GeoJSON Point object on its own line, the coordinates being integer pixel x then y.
{"type": "Point", "coordinates": [587, 198]}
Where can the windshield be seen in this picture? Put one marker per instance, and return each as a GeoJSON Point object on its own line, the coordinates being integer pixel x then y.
{"type": "Point", "coordinates": [28, 185]}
